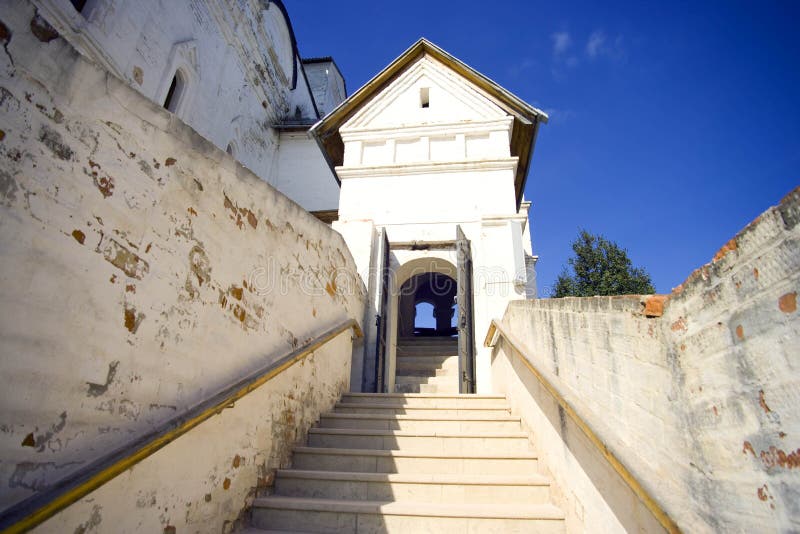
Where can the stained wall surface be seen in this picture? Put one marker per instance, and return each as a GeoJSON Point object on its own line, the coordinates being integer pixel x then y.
{"type": "Point", "coordinates": [696, 391]}
{"type": "Point", "coordinates": [142, 267]}
{"type": "Point", "coordinates": [239, 67]}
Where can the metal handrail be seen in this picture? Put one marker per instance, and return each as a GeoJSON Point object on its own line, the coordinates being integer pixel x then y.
{"type": "Point", "coordinates": [496, 330]}
{"type": "Point", "coordinates": [37, 508]}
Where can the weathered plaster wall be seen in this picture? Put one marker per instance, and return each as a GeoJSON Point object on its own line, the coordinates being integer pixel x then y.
{"type": "Point", "coordinates": [203, 481]}
{"type": "Point", "coordinates": [237, 59]}
{"type": "Point", "coordinates": [142, 267]}
{"type": "Point", "coordinates": [699, 400]}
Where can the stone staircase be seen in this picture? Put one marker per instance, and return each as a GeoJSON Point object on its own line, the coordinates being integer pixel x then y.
{"type": "Point", "coordinates": [427, 365]}
{"type": "Point", "coordinates": [412, 463]}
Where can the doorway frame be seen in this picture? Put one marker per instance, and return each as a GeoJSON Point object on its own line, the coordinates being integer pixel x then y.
{"type": "Point", "coordinates": [449, 246]}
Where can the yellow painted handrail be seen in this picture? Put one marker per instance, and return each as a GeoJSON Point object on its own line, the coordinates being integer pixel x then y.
{"type": "Point", "coordinates": [38, 508]}
{"type": "Point", "coordinates": [496, 330]}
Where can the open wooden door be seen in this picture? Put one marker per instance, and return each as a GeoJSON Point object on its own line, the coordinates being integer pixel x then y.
{"type": "Point", "coordinates": [466, 341]}
{"type": "Point", "coordinates": [381, 322]}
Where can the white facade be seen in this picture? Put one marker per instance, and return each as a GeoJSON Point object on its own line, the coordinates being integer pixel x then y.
{"type": "Point", "coordinates": [239, 75]}
{"type": "Point", "coordinates": [427, 153]}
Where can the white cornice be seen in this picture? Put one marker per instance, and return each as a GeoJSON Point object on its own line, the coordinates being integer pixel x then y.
{"type": "Point", "coordinates": [497, 220]}
{"type": "Point", "coordinates": [427, 167]}
{"type": "Point", "coordinates": [431, 130]}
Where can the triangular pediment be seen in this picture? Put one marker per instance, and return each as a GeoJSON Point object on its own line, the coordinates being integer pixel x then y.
{"type": "Point", "coordinates": [427, 92]}
{"type": "Point", "coordinates": [380, 104]}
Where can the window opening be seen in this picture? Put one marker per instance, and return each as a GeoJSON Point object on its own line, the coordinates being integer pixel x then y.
{"type": "Point", "coordinates": [176, 89]}
{"type": "Point", "coordinates": [424, 97]}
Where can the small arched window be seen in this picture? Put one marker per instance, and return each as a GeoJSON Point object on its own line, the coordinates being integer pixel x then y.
{"type": "Point", "coordinates": [176, 91]}
{"type": "Point", "coordinates": [231, 149]}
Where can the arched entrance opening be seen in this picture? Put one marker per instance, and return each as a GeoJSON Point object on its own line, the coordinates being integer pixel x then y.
{"type": "Point", "coordinates": [430, 292]}
{"type": "Point", "coordinates": [424, 346]}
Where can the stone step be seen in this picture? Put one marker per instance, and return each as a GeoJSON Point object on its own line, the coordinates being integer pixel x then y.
{"type": "Point", "coordinates": [437, 388]}
{"type": "Point", "coordinates": [431, 442]}
{"type": "Point", "coordinates": [427, 373]}
{"type": "Point", "coordinates": [399, 409]}
{"type": "Point", "coordinates": [384, 461]}
{"type": "Point", "coordinates": [426, 362]}
{"type": "Point", "coordinates": [432, 422]}
{"type": "Point", "coordinates": [434, 488]}
{"type": "Point", "coordinates": [414, 380]}
{"type": "Point", "coordinates": [414, 400]}
{"type": "Point", "coordinates": [329, 515]}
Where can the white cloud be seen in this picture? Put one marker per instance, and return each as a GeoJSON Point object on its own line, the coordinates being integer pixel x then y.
{"type": "Point", "coordinates": [597, 41]}
{"type": "Point", "coordinates": [598, 45]}
{"type": "Point", "coordinates": [561, 43]}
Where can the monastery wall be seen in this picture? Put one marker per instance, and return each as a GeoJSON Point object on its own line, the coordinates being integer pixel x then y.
{"type": "Point", "coordinates": [695, 392]}
{"type": "Point", "coordinates": [143, 270]}
{"type": "Point", "coordinates": [241, 76]}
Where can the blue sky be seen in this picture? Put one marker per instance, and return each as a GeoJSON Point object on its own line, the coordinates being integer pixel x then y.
{"type": "Point", "coordinates": [673, 124]}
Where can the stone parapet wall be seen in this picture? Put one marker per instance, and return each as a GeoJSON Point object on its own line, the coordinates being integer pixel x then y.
{"type": "Point", "coordinates": [696, 391]}
{"type": "Point", "coordinates": [143, 269]}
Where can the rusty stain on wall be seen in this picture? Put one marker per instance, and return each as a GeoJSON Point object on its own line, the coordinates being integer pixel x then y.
{"type": "Point", "coordinates": [680, 324]}
{"type": "Point", "coordinates": [762, 402]}
{"type": "Point", "coordinates": [79, 236]}
{"type": "Point", "coordinates": [774, 457]}
{"type": "Point", "coordinates": [199, 271]}
{"type": "Point", "coordinates": [236, 292]}
{"type": "Point", "coordinates": [133, 319]}
{"type": "Point", "coordinates": [239, 215]}
{"type": "Point", "coordinates": [787, 303]}
{"type": "Point", "coordinates": [104, 184]}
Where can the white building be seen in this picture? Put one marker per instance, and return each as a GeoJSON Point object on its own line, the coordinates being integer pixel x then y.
{"type": "Point", "coordinates": [432, 158]}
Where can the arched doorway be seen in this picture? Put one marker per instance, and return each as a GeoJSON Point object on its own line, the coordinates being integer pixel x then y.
{"type": "Point", "coordinates": [438, 292]}
{"type": "Point", "coordinates": [424, 331]}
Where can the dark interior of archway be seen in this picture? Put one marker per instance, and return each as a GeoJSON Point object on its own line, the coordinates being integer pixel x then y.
{"type": "Point", "coordinates": [418, 295]}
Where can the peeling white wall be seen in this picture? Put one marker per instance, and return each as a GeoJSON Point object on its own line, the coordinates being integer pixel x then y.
{"type": "Point", "coordinates": [142, 267]}
{"type": "Point", "coordinates": [237, 58]}
{"type": "Point", "coordinates": [203, 481]}
{"type": "Point", "coordinates": [699, 401]}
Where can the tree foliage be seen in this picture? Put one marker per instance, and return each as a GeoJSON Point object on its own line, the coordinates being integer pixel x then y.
{"type": "Point", "coordinates": [600, 267]}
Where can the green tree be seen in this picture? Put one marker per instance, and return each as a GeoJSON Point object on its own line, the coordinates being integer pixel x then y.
{"type": "Point", "coordinates": [600, 267]}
